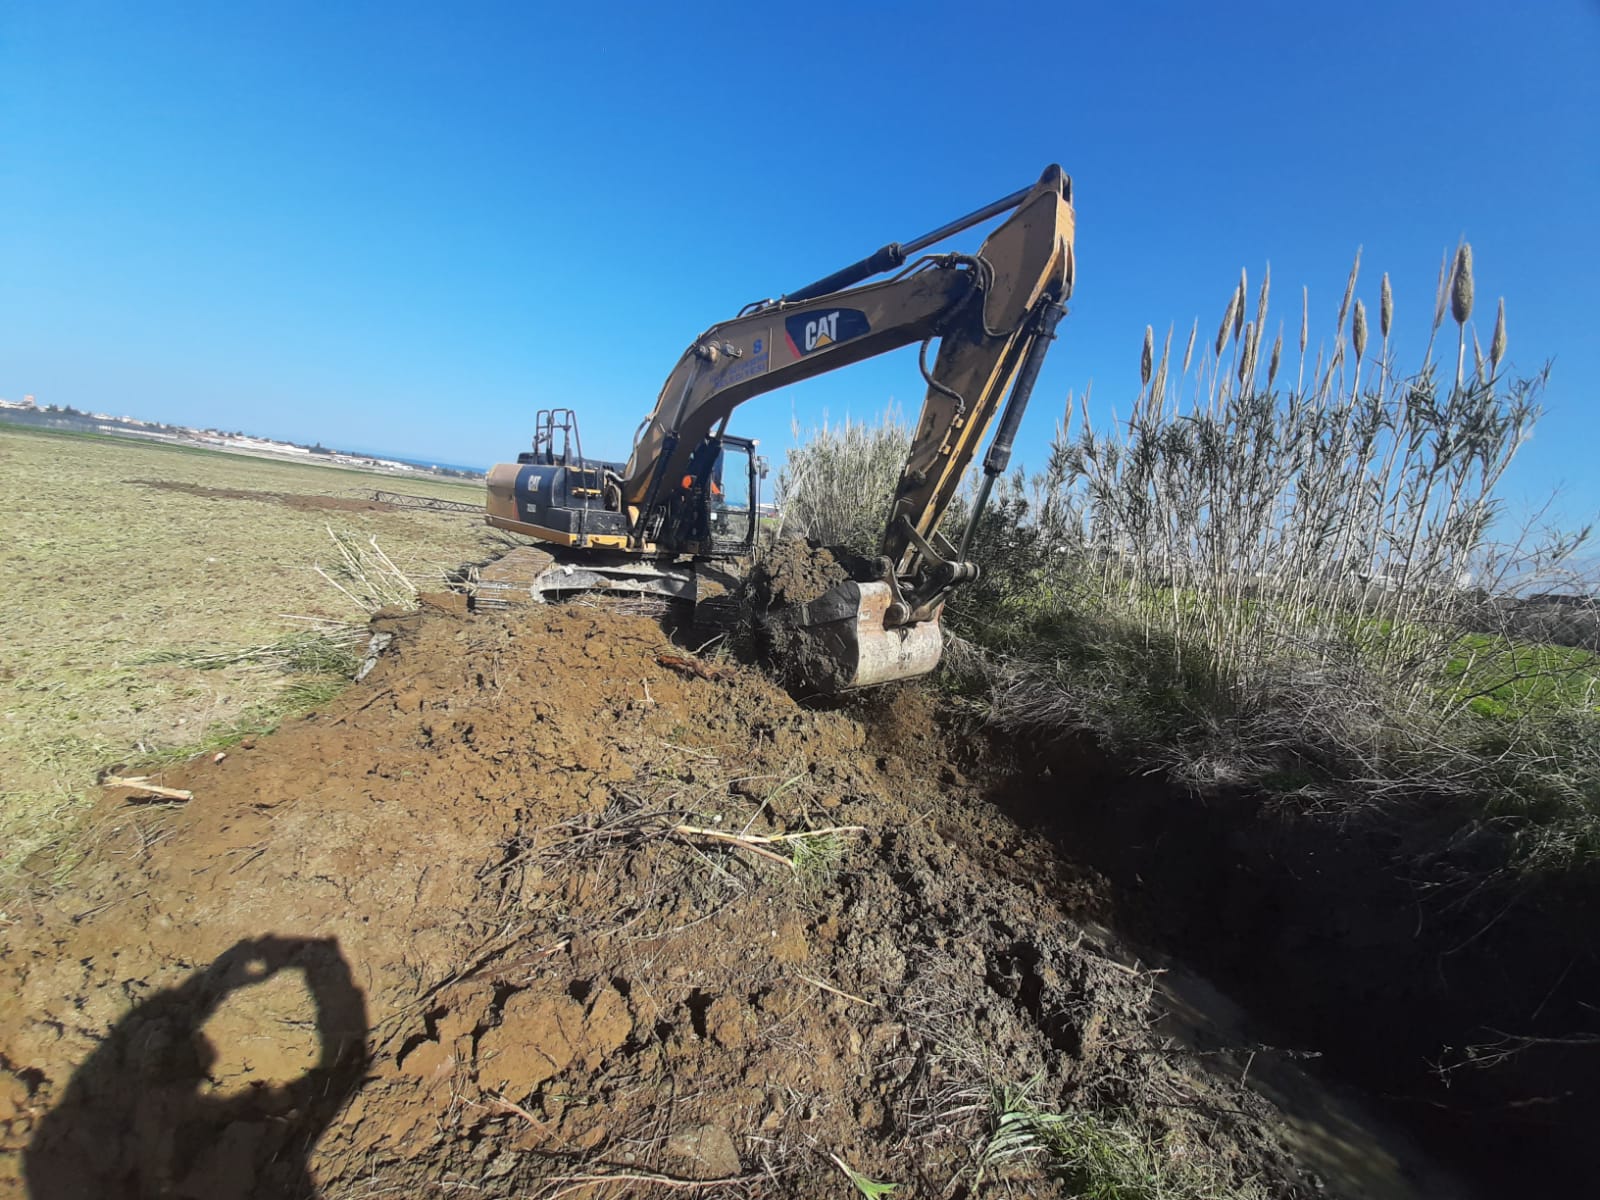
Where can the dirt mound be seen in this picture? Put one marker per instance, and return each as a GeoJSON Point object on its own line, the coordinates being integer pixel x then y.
{"type": "Point", "coordinates": [300, 503]}
{"type": "Point", "coordinates": [793, 571]}
{"type": "Point", "coordinates": [544, 904]}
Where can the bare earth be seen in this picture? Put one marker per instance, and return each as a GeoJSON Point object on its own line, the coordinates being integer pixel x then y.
{"type": "Point", "coordinates": [442, 938]}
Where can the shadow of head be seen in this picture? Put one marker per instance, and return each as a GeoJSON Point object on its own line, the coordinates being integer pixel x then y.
{"type": "Point", "coordinates": [144, 1114]}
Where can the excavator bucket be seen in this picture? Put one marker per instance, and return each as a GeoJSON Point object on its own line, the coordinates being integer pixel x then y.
{"type": "Point", "coordinates": [839, 641]}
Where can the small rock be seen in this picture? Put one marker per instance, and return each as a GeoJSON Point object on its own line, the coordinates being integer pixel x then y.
{"type": "Point", "coordinates": [538, 1035]}
{"type": "Point", "coordinates": [727, 1023]}
{"type": "Point", "coordinates": [607, 1025]}
{"type": "Point", "coordinates": [706, 1151]}
{"type": "Point", "coordinates": [869, 1114]}
{"type": "Point", "coordinates": [429, 1061]}
{"type": "Point", "coordinates": [13, 1096]}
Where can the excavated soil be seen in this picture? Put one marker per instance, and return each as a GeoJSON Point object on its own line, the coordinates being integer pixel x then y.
{"type": "Point", "coordinates": [793, 571]}
{"type": "Point", "coordinates": [485, 927]}
{"type": "Point", "coordinates": [789, 574]}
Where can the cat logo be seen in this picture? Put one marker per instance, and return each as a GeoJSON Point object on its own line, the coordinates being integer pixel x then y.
{"type": "Point", "coordinates": [810, 332]}
{"type": "Point", "coordinates": [824, 331]}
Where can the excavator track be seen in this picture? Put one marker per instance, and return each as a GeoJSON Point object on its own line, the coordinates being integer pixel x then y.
{"type": "Point", "coordinates": [508, 580]}
{"type": "Point", "coordinates": [707, 595]}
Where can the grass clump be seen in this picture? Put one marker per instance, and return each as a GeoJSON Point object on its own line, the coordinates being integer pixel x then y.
{"type": "Point", "coordinates": [298, 698]}
{"type": "Point", "coordinates": [1098, 1157]}
{"type": "Point", "coordinates": [815, 858]}
{"type": "Point", "coordinates": [365, 575]}
{"type": "Point", "coordinates": [871, 1189]}
{"type": "Point", "coordinates": [1509, 679]}
{"type": "Point", "coordinates": [332, 651]}
{"type": "Point", "coordinates": [317, 664]}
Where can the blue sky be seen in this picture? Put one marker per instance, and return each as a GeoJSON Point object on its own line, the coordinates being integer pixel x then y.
{"type": "Point", "coordinates": [405, 227]}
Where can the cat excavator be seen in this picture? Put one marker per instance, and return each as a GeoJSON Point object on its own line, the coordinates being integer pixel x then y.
{"type": "Point", "coordinates": [688, 499]}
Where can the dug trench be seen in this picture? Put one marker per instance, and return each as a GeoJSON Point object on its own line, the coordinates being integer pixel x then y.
{"type": "Point", "coordinates": [1398, 956]}
{"type": "Point", "coordinates": [548, 905]}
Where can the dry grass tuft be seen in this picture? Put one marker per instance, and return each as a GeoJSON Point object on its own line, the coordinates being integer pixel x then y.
{"type": "Point", "coordinates": [1497, 344]}
{"type": "Point", "coordinates": [1305, 585]}
{"type": "Point", "coordinates": [1226, 328]}
{"type": "Point", "coordinates": [366, 576]}
{"type": "Point", "coordinates": [1461, 285]}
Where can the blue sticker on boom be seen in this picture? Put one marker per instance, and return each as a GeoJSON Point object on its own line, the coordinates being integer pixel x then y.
{"type": "Point", "coordinates": [810, 332]}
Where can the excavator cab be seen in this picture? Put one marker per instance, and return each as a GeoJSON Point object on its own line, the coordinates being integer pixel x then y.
{"type": "Point", "coordinates": [568, 502]}
{"type": "Point", "coordinates": [713, 511]}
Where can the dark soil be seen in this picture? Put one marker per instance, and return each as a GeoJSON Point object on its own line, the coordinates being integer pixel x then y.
{"type": "Point", "coordinates": [300, 503]}
{"type": "Point", "coordinates": [788, 575]}
{"type": "Point", "coordinates": [793, 571]}
{"type": "Point", "coordinates": [470, 930]}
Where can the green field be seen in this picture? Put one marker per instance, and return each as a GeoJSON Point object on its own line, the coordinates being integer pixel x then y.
{"type": "Point", "coordinates": [106, 576]}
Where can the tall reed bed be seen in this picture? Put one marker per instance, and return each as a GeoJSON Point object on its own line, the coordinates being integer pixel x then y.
{"type": "Point", "coordinates": [840, 478]}
{"type": "Point", "coordinates": [1256, 516]}
{"type": "Point", "coordinates": [1268, 566]}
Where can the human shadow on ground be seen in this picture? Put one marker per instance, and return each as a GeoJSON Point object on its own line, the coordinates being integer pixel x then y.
{"type": "Point", "coordinates": [142, 1117]}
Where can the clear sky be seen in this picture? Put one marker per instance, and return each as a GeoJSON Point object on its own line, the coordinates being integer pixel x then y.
{"type": "Point", "coordinates": [404, 227]}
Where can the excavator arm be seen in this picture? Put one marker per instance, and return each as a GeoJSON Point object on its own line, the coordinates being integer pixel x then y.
{"type": "Point", "coordinates": [994, 312]}
{"type": "Point", "coordinates": [781, 344]}
{"type": "Point", "coordinates": [989, 346]}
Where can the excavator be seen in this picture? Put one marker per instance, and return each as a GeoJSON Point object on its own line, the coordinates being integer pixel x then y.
{"type": "Point", "coordinates": [688, 497]}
